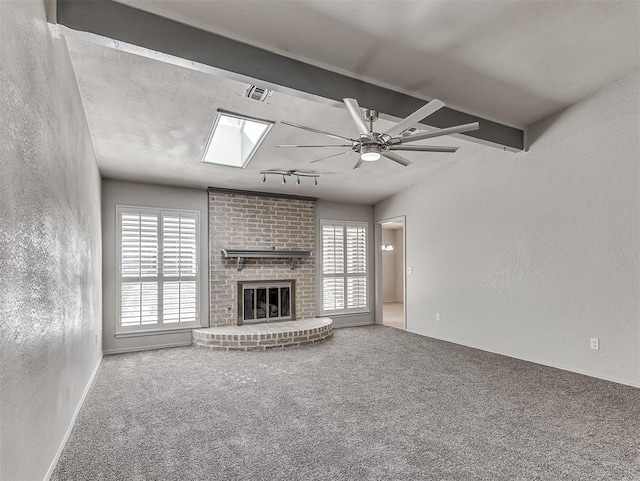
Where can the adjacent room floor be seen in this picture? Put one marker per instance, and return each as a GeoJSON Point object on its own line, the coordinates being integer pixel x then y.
{"type": "Point", "coordinates": [393, 314]}
{"type": "Point", "coordinates": [372, 403]}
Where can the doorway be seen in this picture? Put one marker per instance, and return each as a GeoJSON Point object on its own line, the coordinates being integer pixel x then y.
{"type": "Point", "coordinates": [393, 279]}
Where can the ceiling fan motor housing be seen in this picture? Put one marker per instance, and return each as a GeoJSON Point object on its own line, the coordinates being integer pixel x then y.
{"type": "Point", "coordinates": [370, 151]}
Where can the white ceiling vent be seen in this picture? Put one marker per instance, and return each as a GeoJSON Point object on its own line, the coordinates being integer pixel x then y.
{"type": "Point", "coordinates": [409, 131]}
{"type": "Point", "coordinates": [258, 93]}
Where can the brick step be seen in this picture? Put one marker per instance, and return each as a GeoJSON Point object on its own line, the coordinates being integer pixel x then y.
{"type": "Point", "coordinates": [256, 337]}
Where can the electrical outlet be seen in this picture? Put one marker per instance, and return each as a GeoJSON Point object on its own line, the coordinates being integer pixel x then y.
{"type": "Point", "coordinates": [438, 316]}
{"type": "Point", "coordinates": [409, 270]}
{"type": "Point", "coordinates": [96, 339]}
{"type": "Point", "coordinates": [595, 343]}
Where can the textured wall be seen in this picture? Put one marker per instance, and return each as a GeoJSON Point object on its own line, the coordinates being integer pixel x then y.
{"type": "Point", "coordinates": [115, 192]}
{"type": "Point", "coordinates": [50, 250]}
{"type": "Point", "coordinates": [238, 221]}
{"type": "Point", "coordinates": [530, 255]}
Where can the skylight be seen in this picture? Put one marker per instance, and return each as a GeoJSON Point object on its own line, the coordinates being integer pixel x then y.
{"type": "Point", "coordinates": [234, 139]}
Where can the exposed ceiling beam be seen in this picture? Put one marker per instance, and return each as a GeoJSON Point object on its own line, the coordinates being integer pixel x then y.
{"type": "Point", "coordinates": [120, 22]}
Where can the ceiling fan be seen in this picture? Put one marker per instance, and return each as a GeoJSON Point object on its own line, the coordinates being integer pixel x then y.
{"type": "Point", "coordinates": [372, 145]}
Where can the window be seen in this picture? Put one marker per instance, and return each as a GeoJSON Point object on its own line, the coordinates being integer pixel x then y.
{"type": "Point", "coordinates": [344, 267]}
{"type": "Point", "coordinates": [158, 285]}
{"type": "Point", "coordinates": [234, 139]}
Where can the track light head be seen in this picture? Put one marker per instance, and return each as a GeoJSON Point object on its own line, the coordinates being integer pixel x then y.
{"type": "Point", "coordinates": [284, 181]}
{"type": "Point", "coordinates": [298, 181]}
{"type": "Point", "coordinates": [315, 181]}
{"type": "Point", "coordinates": [264, 178]}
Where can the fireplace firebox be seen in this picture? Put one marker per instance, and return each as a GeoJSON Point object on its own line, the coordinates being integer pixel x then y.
{"type": "Point", "coordinates": [266, 301]}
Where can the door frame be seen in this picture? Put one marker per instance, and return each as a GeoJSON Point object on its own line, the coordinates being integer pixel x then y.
{"type": "Point", "coordinates": [378, 267]}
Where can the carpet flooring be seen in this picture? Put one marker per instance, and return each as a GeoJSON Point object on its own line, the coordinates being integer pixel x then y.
{"type": "Point", "coordinates": [371, 403]}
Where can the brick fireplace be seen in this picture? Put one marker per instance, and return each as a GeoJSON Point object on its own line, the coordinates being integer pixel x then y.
{"type": "Point", "coordinates": [254, 221]}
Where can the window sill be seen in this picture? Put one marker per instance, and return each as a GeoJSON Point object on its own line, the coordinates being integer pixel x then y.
{"type": "Point", "coordinates": [154, 332]}
{"type": "Point", "coordinates": [344, 314]}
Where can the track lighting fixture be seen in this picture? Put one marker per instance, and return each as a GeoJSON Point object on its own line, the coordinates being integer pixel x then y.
{"type": "Point", "coordinates": [289, 173]}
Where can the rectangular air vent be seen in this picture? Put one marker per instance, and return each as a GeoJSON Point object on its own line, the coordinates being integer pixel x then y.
{"type": "Point", "coordinates": [258, 93]}
{"type": "Point", "coordinates": [409, 131]}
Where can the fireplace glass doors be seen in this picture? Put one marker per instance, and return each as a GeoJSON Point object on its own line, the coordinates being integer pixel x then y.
{"type": "Point", "coordinates": [265, 301]}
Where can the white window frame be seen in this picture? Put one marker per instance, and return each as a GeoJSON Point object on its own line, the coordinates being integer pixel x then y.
{"type": "Point", "coordinates": [346, 310]}
{"type": "Point", "coordinates": [160, 278]}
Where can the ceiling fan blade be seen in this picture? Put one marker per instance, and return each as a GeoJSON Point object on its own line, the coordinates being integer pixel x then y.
{"type": "Point", "coordinates": [396, 158]}
{"type": "Point", "coordinates": [329, 156]}
{"type": "Point", "coordinates": [415, 117]}
{"type": "Point", "coordinates": [288, 146]}
{"type": "Point", "coordinates": [424, 148]}
{"type": "Point", "coordinates": [356, 114]}
{"type": "Point", "coordinates": [358, 163]}
{"type": "Point", "coordinates": [458, 129]}
{"type": "Point", "coordinates": [311, 129]}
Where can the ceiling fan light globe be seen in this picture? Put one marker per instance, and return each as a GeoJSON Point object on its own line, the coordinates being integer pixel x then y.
{"type": "Point", "coordinates": [370, 156]}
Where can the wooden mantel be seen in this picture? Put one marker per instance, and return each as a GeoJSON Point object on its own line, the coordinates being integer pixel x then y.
{"type": "Point", "coordinates": [242, 254]}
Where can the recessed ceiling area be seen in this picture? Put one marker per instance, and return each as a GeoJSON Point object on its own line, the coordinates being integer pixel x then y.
{"type": "Point", "coordinates": [150, 120]}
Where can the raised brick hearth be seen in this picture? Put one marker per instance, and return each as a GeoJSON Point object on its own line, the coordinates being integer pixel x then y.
{"type": "Point", "coordinates": [263, 336]}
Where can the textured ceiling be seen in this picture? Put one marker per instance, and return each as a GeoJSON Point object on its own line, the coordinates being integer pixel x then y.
{"type": "Point", "coordinates": [149, 122]}
{"type": "Point", "coordinates": [515, 62]}
{"type": "Point", "coordinates": [511, 61]}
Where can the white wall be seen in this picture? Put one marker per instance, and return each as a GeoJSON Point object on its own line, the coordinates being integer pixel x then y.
{"type": "Point", "coordinates": [50, 247]}
{"type": "Point", "coordinates": [398, 245]}
{"type": "Point", "coordinates": [353, 212]}
{"type": "Point", "coordinates": [389, 284]}
{"type": "Point", "coordinates": [116, 192]}
{"type": "Point", "coordinates": [532, 254]}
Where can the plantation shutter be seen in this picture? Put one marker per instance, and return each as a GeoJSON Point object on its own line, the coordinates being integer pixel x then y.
{"type": "Point", "coordinates": [344, 266]}
{"type": "Point", "coordinates": [158, 266]}
{"type": "Point", "coordinates": [356, 254]}
{"type": "Point", "coordinates": [333, 267]}
{"type": "Point", "coordinates": [139, 269]}
{"type": "Point", "coordinates": [180, 262]}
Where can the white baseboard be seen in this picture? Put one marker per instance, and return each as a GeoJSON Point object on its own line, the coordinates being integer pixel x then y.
{"type": "Point", "coordinates": [54, 462]}
{"type": "Point", "coordinates": [352, 324]}
{"type": "Point", "coordinates": [542, 363]}
{"type": "Point", "coordinates": [579, 371]}
{"type": "Point", "coordinates": [146, 348]}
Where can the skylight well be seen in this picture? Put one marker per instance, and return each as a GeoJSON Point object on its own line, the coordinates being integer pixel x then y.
{"type": "Point", "coordinates": [234, 139]}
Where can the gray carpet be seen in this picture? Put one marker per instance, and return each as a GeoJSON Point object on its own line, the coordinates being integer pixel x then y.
{"type": "Point", "coordinates": [372, 403]}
